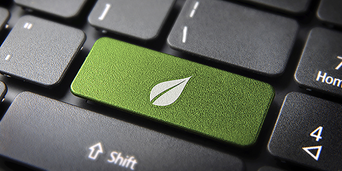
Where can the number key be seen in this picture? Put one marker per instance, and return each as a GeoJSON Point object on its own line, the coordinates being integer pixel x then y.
{"type": "Point", "coordinates": [320, 65]}
{"type": "Point", "coordinates": [308, 131]}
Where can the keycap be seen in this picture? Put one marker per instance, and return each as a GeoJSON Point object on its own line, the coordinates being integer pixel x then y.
{"type": "Point", "coordinates": [192, 96]}
{"type": "Point", "coordinates": [60, 8]}
{"type": "Point", "coordinates": [52, 135]}
{"type": "Point", "coordinates": [320, 66]}
{"type": "Point", "coordinates": [3, 90]}
{"type": "Point", "coordinates": [308, 131]}
{"type": "Point", "coordinates": [268, 168]}
{"type": "Point", "coordinates": [4, 16]}
{"type": "Point", "coordinates": [226, 32]}
{"type": "Point", "coordinates": [123, 17]}
{"type": "Point", "coordinates": [292, 6]}
{"type": "Point", "coordinates": [330, 11]}
{"type": "Point", "coordinates": [39, 51]}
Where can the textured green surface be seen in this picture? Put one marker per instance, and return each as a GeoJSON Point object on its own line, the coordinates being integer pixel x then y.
{"type": "Point", "coordinates": [214, 103]}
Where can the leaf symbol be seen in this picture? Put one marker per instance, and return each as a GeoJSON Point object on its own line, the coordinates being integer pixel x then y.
{"type": "Point", "coordinates": [168, 91]}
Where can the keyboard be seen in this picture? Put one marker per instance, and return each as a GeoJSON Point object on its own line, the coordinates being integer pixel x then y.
{"type": "Point", "coordinates": [171, 85]}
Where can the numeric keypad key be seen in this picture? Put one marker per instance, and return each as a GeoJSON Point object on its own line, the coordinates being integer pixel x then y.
{"type": "Point", "coordinates": [308, 131]}
{"type": "Point", "coordinates": [320, 65]}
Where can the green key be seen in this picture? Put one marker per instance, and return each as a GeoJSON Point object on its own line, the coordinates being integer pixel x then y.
{"type": "Point", "coordinates": [189, 95]}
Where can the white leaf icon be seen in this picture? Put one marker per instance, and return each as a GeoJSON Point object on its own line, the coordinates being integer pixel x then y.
{"type": "Point", "coordinates": [171, 89]}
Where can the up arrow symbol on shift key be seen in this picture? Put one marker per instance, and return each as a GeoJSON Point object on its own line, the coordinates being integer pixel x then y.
{"type": "Point", "coordinates": [95, 150]}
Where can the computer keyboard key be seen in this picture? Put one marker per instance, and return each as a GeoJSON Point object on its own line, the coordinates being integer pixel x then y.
{"type": "Point", "coordinates": [308, 131]}
{"type": "Point", "coordinates": [320, 66]}
{"type": "Point", "coordinates": [268, 168]}
{"type": "Point", "coordinates": [141, 19]}
{"type": "Point", "coordinates": [39, 51]}
{"type": "Point", "coordinates": [330, 11]}
{"type": "Point", "coordinates": [292, 6]}
{"type": "Point", "coordinates": [52, 135]}
{"type": "Point", "coordinates": [60, 8]}
{"type": "Point", "coordinates": [3, 90]}
{"type": "Point", "coordinates": [4, 16]}
{"type": "Point", "coordinates": [175, 91]}
{"type": "Point", "coordinates": [234, 34]}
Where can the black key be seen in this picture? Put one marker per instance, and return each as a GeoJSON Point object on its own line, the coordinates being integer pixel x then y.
{"type": "Point", "coordinates": [292, 6]}
{"type": "Point", "coordinates": [268, 168]}
{"type": "Point", "coordinates": [308, 131]}
{"type": "Point", "coordinates": [53, 135]}
{"type": "Point", "coordinates": [226, 32]}
{"type": "Point", "coordinates": [140, 19]}
{"type": "Point", "coordinates": [39, 51]}
{"type": "Point", "coordinates": [59, 8]}
{"type": "Point", "coordinates": [4, 16]}
{"type": "Point", "coordinates": [320, 66]}
{"type": "Point", "coordinates": [330, 11]}
{"type": "Point", "coordinates": [3, 90]}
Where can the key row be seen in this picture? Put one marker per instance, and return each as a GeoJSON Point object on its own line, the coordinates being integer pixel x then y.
{"type": "Point", "coordinates": [71, 9]}
{"type": "Point", "coordinates": [305, 133]}
{"type": "Point", "coordinates": [257, 41]}
{"type": "Point", "coordinates": [56, 45]}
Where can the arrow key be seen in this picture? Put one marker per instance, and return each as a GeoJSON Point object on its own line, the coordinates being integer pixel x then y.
{"type": "Point", "coordinates": [320, 66]}
{"type": "Point", "coordinates": [308, 132]}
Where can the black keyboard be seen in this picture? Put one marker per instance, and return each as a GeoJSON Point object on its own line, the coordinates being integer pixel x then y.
{"type": "Point", "coordinates": [171, 85]}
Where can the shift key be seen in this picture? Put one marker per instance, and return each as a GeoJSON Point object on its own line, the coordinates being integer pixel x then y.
{"type": "Point", "coordinates": [53, 135]}
{"type": "Point", "coordinates": [182, 93]}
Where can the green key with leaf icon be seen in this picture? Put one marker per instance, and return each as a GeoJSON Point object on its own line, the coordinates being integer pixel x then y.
{"type": "Point", "coordinates": [185, 94]}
